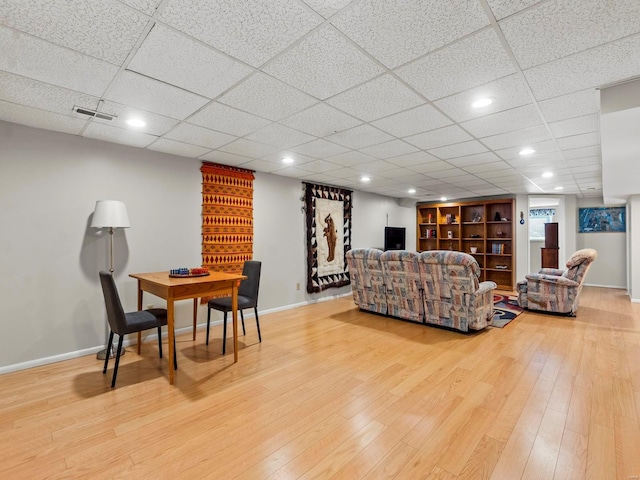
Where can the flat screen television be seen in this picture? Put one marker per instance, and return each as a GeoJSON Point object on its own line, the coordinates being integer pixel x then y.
{"type": "Point", "coordinates": [394, 238]}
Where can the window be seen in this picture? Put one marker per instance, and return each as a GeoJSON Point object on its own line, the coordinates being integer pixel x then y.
{"type": "Point", "coordinates": [537, 218]}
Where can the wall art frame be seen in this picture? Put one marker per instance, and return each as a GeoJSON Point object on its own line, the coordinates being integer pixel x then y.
{"type": "Point", "coordinates": [602, 220]}
{"type": "Point", "coordinates": [328, 222]}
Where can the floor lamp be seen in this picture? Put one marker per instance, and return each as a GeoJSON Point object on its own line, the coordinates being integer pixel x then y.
{"type": "Point", "coordinates": [110, 214]}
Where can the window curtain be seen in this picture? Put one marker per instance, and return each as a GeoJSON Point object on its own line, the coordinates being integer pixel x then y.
{"type": "Point", "coordinates": [227, 217]}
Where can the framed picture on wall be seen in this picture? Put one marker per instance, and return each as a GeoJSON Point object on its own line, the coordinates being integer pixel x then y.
{"type": "Point", "coordinates": [602, 219]}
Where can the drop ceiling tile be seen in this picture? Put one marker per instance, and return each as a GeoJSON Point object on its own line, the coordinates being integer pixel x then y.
{"type": "Point", "coordinates": [281, 101]}
{"type": "Point", "coordinates": [261, 166]}
{"type": "Point", "coordinates": [575, 126]}
{"type": "Point", "coordinates": [468, 63]}
{"type": "Point", "coordinates": [430, 168]}
{"type": "Point", "coordinates": [199, 136]}
{"type": "Point", "coordinates": [123, 136]}
{"type": "Point", "coordinates": [276, 157]}
{"type": "Point", "coordinates": [415, 28]}
{"type": "Point", "coordinates": [33, 117]}
{"type": "Point", "coordinates": [324, 64]}
{"type": "Point", "coordinates": [222, 118]}
{"type": "Point", "coordinates": [591, 68]}
{"type": "Point", "coordinates": [378, 167]}
{"type": "Point", "coordinates": [350, 159]}
{"type": "Point", "coordinates": [145, 6]}
{"type": "Point", "coordinates": [376, 99]}
{"type": "Point", "coordinates": [346, 173]}
{"type": "Point", "coordinates": [519, 138]}
{"type": "Point", "coordinates": [326, 8]}
{"type": "Point", "coordinates": [320, 149]}
{"type": "Point", "coordinates": [513, 153]}
{"type": "Point", "coordinates": [154, 96]}
{"type": "Point", "coordinates": [293, 172]}
{"type": "Point", "coordinates": [280, 136]}
{"type": "Point", "coordinates": [582, 152]}
{"type": "Point", "coordinates": [177, 148]}
{"type": "Point", "coordinates": [515, 119]}
{"type": "Point", "coordinates": [504, 8]}
{"type": "Point", "coordinates": [105, 30]}
{"type": "Point", "coordinates": [506, 175]}
{"type": "Point", "coordinates": [43, 96]}
{"type": "Point", "coordinates": [411, 159]}
{"type": "Point", "coordinates": [319, 166]}
{"type": "Point", "coordinates": [248, 148]}
{"type": "Point", "coordinates": [390, 149]}
{"type": "Point", "coordinates": [359, 137]}
{"type": "Point", "coordinates": [253, 31]}
{"type": "Point", "coordinates": [225, 158]}
{"type": "Point", "coordinates": [487, 167]}
{"type": "Point", "coordinates": [320, 120]}
{"type": "Point", "coordinates": [577, 141]}
{"type": "Point", "coordinates": [448, 174]}
{"type": "Point", "coordinates": [400, 174]}
{"type": "Point", "coordinates": [178, 60]}
{"type": "Point", "coordinates": [413, 121]}
{"type": "Point", "coordinates": [438, 138]}
{"type": "Point", "coordinates": [571, 105]}
{"type": "Point", "coordinates": [507, 93]}
{"type": "Point", "coordinates": [556, 29]}
{"type": "Point", "coordinates": [478, 158]}
{"type": "Point", "coordinates": [487, 192]}
{"type": "Point", "coordinates": [31, 57]}
{"type": "Point", "coordinates": [458, 150]}
{"type": "Point", "coordinates": [155, 124]}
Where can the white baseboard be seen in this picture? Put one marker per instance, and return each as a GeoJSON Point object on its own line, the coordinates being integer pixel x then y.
{"type": "Point", "coordinates": [154, 336]}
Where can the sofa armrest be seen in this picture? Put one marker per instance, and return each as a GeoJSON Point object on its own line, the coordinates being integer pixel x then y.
{"type": "Point", "coordinates": [485, 287]}
{"type": "Point", "coordinates": [561, 281]}
{"type": "Point", "coordinates": [551, 271]}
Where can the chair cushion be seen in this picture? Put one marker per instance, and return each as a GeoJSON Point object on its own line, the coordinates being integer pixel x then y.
{"type": "Point", "coordinates": [224, 304]}
{"type": "Point", "coordinates": [138, 321]}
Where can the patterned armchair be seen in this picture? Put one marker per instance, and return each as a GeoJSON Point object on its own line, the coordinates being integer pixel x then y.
{"type": "Point", "coordinates": [404, 285]}
{"type": "Point", "coordinates": [453, 295]}
{"type": "Point", "coordinates": [367, 283]}
{"type": "Point", "coordinates": [555, 290]}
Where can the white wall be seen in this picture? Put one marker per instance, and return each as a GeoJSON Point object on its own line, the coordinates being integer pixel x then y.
{"type": "Point", "coordinates": [610, 268]}
{"type": "Point", "coordinates": [51, 303]}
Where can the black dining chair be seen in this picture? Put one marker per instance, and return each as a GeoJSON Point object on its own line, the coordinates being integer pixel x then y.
{"type": "Point", "coordinates": [247, 298]}
{"type": "Point", "coordinates": [124, 323]}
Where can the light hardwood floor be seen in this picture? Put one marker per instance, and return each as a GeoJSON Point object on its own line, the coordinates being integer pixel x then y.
{"type": "Point", "coordinates": [334, 393]}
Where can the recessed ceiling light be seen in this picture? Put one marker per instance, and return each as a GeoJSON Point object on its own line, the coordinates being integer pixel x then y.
{"type": "Point", "coordinates": [547, 175]}
{"type": "Point", "coordinates": [527, 151]}
{"type": "Point", "coordinates": [482, 102]}
{"type": "Point", "coordinates": [365, 179]}
{"type": "Point", "coordinates": [411, 191]}
{"type": "Point", "coordinates": [287, 160]}
{"type": "Point", "coordinates": [136, 122]}
{"type": "Point", "coordinates": [443, 199]}
{"type": "Point", "coordinates": [559, 188]}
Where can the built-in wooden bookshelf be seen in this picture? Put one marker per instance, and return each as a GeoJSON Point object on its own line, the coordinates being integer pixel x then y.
{"type": "Point", "coordinates": [484, 229]}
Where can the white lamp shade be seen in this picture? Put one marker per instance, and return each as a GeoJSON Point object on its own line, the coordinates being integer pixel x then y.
{"type": "Point", "coordinates": [110, 213]}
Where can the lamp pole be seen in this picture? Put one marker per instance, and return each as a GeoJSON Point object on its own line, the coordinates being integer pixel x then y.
{"type": "Point", "coordinates": [110, 214]}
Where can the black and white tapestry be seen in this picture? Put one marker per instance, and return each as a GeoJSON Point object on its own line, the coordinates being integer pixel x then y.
{"type": "Point", "coordinates": [328, 217]}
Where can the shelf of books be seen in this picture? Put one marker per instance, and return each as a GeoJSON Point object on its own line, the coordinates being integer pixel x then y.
{"type": "Point", "coordinates": [484, 229]}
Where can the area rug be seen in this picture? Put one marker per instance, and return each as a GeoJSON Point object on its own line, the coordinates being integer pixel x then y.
{"type": "Point", "coordinates": [505, 309]}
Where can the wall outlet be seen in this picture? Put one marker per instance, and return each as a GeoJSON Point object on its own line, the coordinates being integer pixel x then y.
{"type": "Point", "coordinates": [298, 286]}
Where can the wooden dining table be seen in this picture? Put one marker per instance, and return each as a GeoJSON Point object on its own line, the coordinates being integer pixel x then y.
{"type": "Point", "coordinates": [173, 288]}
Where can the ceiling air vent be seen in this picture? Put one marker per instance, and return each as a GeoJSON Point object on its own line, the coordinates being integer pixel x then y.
{"type": "Point", "coordinates": [94, 113]}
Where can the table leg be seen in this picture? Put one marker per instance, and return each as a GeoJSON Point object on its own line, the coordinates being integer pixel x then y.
{"type": "Point", "coordinates": [139, 308]}
{"type": "Point", "coordinates": [234, 309]}
{"type": "Point", "coordinates": [195, 316]}
{"type": "Point", "coordinates": [170, 324]}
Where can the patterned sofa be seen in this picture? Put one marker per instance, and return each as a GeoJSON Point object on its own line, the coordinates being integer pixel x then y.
{"type": "Point", "coordinates": [435, 287]}
{"type": "Point", "coordinates": [556, 290]}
